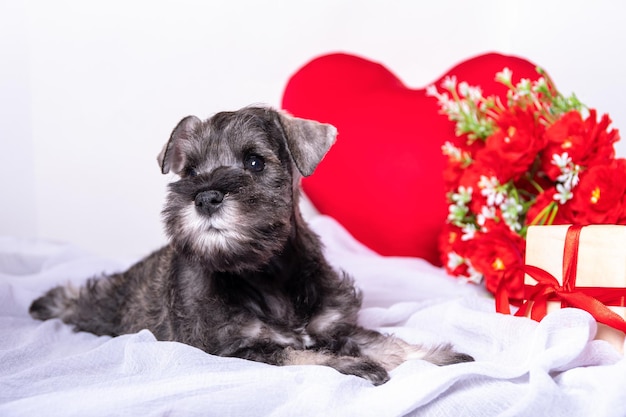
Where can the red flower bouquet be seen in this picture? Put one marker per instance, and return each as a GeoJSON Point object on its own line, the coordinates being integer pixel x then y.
{"type": "Point", "coordinates": [540, 158]}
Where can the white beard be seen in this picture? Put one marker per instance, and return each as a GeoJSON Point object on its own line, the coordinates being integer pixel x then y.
{"type": "Point", "coordinates": [216, 233]}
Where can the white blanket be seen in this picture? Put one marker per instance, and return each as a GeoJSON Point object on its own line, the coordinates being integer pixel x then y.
{"type": "Point", "coordinates": [522, 368]}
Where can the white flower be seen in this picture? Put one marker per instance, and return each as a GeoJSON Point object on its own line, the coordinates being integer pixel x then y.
{"type": "Point", "coordinates": [569, 171]}
{"type": "Point", "coordinates": [514, 226]}
{"type": "Point", "coordinates": [451, 108]}
{"type": "Point", "coordinates": [540, 85]}
{"type": "Point", "coordinates": [504, 76]}
{"type": "Point", "coordinates": [449, 83]}
{"type": "Point", "coordinates": [563, 194]}
{"type": "Point", "coordinates": [469, 231]}
{"type": "Point", "coordinates": [456, 154]}
{"type": "Point", "coordinates": [465, 108]}
{"type": "Point", "coordinates": [511, 210]}
{"type": "Point", "coordinates": [494, 198]}
{"type": "Point", "coordinates": [485, 214]}
{"type": "Point", "coordinates": [489, 189]}
{"type": "Point", "coordinates": [474, 93]}
{"type": "Point", "coordinates": [452, 151]}
{"type": "Point", "coordinates": [464, 195]}
{"type": "Point", "coordinates": [561, 161]}
{"type": "Point", "coordinates": [431, 91]}
{"type": "Point", "coordinates": [575, 178]}
{"type": "Point", "coordinates": [463, 88]}
{"type": "Point", "coordinates": [454, 260]}
{"type": "Point", "coordinates": [474, 276]}
{"type": "Point", "coordinates": [456, 213]}
{"type": "Point", "coordinates": [569, 178]}
{"type": "Point", "coordinates": [488, 182]}
{"type": "Point", "coordinates": [524, 87]}
{"type": "Point", "coordinates": [511, 207]}
{"type": "Point", "coordinates": [443, 99]}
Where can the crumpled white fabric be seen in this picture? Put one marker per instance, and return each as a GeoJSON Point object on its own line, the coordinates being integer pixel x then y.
{"type": "Point", "coordinates": [522, 368]}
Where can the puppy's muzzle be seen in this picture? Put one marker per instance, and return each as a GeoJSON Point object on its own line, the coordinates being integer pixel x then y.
{"type": "Point", "coordinates": [208, 202]}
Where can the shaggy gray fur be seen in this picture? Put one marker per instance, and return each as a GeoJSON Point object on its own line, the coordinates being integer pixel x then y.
{"type": "Point", "coordinates": [243, 275]}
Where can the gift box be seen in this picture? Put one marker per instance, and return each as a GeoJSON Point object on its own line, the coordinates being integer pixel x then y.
{"type": "Point", "coordinates": [582, 267]}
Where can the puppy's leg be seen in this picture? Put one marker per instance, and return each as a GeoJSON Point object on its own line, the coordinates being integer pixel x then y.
{"type": "Point", "coordinates": [59, 302]}
{"type": "Point", "coordinates": [349, 365]}
{"type": "Point", "coordinates": [286, 355]}
{"type": "Point", "coordinates": [390, 351]}
{"type": "Point", "coordinates": [93, 308]}
{"type": "Point", "coordinates": [115, 304]}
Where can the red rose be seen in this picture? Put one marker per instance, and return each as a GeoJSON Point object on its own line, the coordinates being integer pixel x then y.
{"type": "Point", "coordinates": [519, 175]}
{"type": "Point", "coordinates": [513, 147]}
{"type": "Point", "coordinates": [452, 244]}
{"type": "Point", "coordinates": [600, 197]}
{"type": "Point", "coordinates": [499, 255]}
{"type": "Point", "coordinates": [460, 153]}
{"type": "Point", "coordinates": [587, 142]}
{"type": "Point", "coordinates": [470, 178]}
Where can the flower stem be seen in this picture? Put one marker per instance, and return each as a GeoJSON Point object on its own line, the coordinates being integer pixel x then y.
{"type": "Point", "coordinates": [546, 216]}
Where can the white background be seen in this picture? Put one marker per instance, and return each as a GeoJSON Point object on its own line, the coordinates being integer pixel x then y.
{"type": "Point", "coordinates": [90, 90]}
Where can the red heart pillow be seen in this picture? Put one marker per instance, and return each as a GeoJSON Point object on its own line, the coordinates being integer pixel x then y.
{"type": "Point", "coordinates": [383, 178]}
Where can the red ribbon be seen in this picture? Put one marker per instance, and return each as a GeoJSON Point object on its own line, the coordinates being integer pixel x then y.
{"type": "Point", "coordinates": [591, 299]}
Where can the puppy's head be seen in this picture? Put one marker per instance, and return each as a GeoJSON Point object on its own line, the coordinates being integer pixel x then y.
{"type": "Point", "coordinates": [235, 202]}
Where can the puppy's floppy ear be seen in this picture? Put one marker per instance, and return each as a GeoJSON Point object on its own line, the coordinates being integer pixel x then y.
{"type": "Point", "coordinates": [172, 157]}
{"type": "Point", "coordinates": [307, 141]}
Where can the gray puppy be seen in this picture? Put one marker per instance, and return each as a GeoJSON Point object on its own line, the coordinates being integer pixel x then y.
{"type": "Point", "coordinates": [243, 275]}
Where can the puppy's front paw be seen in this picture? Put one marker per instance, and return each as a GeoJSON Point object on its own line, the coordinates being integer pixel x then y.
{"type": "Point", "coordinates": [446, 355]}
{"type": "Point", "coordinates": [350, 365]}
{"type": "Point", "coordinates": [360, 367]}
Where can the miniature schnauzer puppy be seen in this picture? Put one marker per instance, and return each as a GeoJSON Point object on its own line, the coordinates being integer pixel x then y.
{"type": "Point", "coordinates": [243, 275]}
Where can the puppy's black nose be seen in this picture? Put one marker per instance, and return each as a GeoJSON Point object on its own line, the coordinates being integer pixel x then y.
{"type": "Point", "coordinates": [209, 201]}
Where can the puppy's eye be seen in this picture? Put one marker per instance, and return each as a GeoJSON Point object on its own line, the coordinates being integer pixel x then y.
{"type": "Point", "coordinates": [190, 172]}
{"type": "Point", "coordinates": [254, 163]}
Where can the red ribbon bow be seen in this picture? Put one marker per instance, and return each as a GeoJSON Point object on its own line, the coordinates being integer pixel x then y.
{"type": "Point", "coordinates": [591, 299]}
